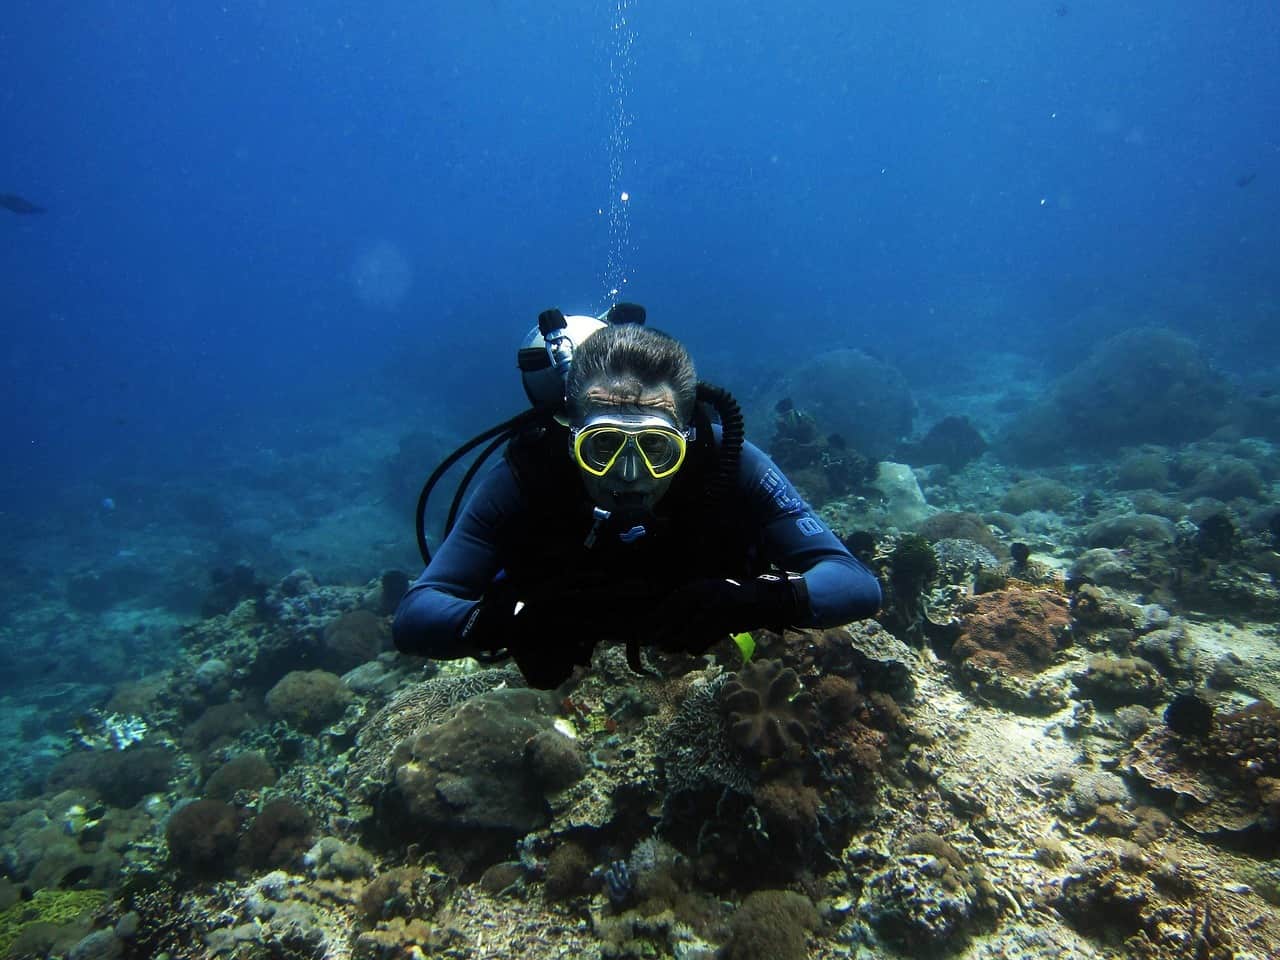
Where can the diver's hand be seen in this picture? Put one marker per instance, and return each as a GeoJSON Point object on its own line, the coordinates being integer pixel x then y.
{"type": "Point", "coordinates": [547, 642]}
{"type": "Point", "coordinates": [700, 614]}
{"type": "Point", "coordinates": [487, 628]}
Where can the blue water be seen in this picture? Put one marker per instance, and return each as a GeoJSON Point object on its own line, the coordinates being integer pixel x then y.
{"type": "Point", "coordinates": [272, 226]}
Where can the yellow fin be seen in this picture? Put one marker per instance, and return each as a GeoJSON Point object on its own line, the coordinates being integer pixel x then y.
{"type": "Point", "coordinates": [746, 644]}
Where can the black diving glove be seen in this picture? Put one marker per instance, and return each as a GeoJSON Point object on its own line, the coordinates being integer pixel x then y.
{"type": "Point", "coordinates": [700, 614]}
{"type": "Point", "coordinates": [542, 635]}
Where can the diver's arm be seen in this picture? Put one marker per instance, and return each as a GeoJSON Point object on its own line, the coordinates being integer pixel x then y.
{"type": "Point", "coordinates": [840, 588]}
{"type": "Point", "coordinates": [433, 614]}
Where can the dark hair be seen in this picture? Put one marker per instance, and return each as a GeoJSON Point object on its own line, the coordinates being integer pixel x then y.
{"type": "Point", "coordinates": [629, 360]}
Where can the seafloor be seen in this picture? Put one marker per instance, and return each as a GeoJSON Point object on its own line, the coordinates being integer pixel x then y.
{"type": "Point", "coordinates": [1058, 738]}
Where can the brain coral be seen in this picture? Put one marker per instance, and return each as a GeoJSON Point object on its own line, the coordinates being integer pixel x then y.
{"type": "Point", "coordinates": [767, 713]}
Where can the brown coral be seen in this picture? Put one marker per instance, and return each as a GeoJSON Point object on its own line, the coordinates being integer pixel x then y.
{"type": "Point", "coordinates": [1022, 629]}
{"type": "Point", "coordinates": [1226, 773]}
{"type": "Point", "coordinates": [309, 699]}
{"type": "Point", "coordinates": [768, 715]}
{"type": "Point", "coordinates": [353, 638]}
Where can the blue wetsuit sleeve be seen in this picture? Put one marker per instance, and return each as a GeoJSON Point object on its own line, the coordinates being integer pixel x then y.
{"type": "Point", "coordinates": [840, 588]}
{"type": "Point", "coordinates": [431, 615]}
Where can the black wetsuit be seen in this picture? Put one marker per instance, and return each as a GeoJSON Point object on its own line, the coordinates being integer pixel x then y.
{"type": "Point", "coordinates": [530, 519]}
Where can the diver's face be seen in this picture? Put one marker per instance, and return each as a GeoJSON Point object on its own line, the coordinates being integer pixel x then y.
{"type": "Point", "coordinates": [628, 484]}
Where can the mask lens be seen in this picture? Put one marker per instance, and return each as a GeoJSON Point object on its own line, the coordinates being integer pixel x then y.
{"type": "Point", "coordinates": [597, 448]}
{"type": "Point", "coordinates": [660, 449]}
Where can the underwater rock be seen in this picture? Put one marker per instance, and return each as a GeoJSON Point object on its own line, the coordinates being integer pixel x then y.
{"type": "Point", "coordinates": [333, 858]}
{"type": "Point", "coordinates": [823, 467]}
{"type": "Point", "coordinates": [1007, 637]}
{"type": "Point", "coordinates": [555, 760]}
{"type": "Point", "coordinates": [905, 504]}
{"type": "Point", "coordinates": [227, 588]}
{"type": "Point", "coordinates": [1101, 566]}
{"type": "Point", "coordinates": [277, 837]}
{"type": "Point", "coordinates": [1142, 470]}
{"type": "Point", "coordinates": [393, 585]}
{"type": "Point", "coordinates": [1022, 629]}
{"type": "Point", "coordinates": [961, 561]}
{"type": "Point", "coordinates": [1202, 473]}
{"type": "Point", "coordinates": [245, 771]}
{"type": "Point", "coordinates": [120, 777]}
{"type": "Point", "coordinates": [882, 661]}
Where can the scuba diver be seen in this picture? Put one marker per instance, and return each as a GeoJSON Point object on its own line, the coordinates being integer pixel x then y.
{"type": "Point", "coordinates": [627, 507]}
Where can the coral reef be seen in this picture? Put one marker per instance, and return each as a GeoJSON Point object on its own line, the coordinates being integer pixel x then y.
{"type": "Point", "coordinates": [952, 441]}
{"type": "Point", "coordinates": [1145, 385]}
{"type": "Point", "coordinates": [823, 467]}
{"type": "Point", "coordinates": [1155, 909]}
{"type": "Point", "coordinates": [872, 416]}
{"type": "Point", "coordinates": [248, 771]}
{"type": "Point", "coordinates": [1222, 769]}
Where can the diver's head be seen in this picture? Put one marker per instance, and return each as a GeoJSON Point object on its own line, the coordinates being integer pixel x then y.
{"type": "Point", "coordinates": [630, 397]}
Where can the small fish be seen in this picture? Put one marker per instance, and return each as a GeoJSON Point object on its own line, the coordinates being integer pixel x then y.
{"type": "Point", "coordinates": [11, 201]}
{"type": "Point", "coordinates": [1245, 179]}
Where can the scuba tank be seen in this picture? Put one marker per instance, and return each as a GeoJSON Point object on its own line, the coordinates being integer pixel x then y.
{"type": "Point", "coordinates": [543, 359]}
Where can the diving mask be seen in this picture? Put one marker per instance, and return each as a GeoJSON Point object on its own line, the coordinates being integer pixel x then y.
{"type": "Point", "coordinates": [602, 441]}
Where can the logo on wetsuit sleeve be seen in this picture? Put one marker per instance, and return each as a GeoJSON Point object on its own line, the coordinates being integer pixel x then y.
{"type": "Point", "coordinates": [809, 525]}
{"type": "Point", "coordinates": [780, 492]}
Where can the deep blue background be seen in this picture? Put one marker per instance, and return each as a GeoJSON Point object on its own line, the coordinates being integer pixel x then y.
{"type": "Point", "coordinates": [921, 180]}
